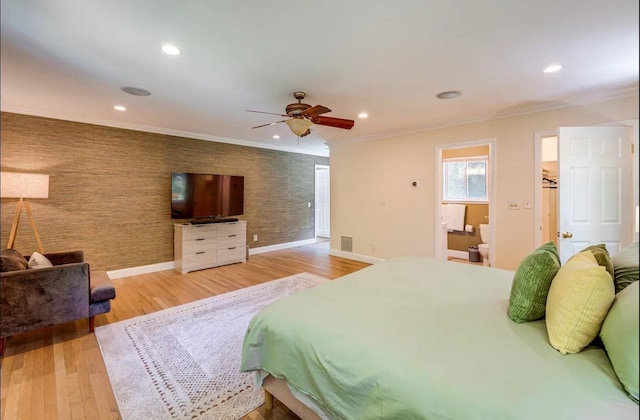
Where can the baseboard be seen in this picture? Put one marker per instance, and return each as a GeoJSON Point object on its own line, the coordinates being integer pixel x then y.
{"type": "Point", "coordinates": [357, 257]}
{"type": "Point", "coordinates": [278, 247]}
{"type": "Point", "coordinates": [144, 269]}
{"type": "Point", "coordinates": [170, 265]}
{"type": "Point", "coordinates": [464, 255]}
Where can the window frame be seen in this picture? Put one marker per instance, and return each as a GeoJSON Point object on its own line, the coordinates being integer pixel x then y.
{"type": "Point", "coordinates": [466, 160]}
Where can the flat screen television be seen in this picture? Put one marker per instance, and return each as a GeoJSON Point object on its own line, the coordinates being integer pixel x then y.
{"type": "Point", "coordinates": [206, 196]}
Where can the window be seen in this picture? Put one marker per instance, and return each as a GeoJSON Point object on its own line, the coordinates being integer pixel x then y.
{"type": "Point", "coordinates": [465, 179]}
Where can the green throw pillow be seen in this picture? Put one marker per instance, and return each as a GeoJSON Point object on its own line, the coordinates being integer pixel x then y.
{"type": "Point", "coordinates": [620, 337]}
{"type": "Point", "coordinates": [531, 284]}
{"type": "Point", "coordinates": [602, 257]}
{"type": "Point", "coordinates": [625, 266]}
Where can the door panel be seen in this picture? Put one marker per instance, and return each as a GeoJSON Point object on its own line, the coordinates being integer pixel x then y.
{"type": "Point", "coordinates": [595, 192]}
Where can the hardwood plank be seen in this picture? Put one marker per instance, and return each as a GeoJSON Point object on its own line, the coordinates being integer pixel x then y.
{"type": "Point", "coordinates": [59, 372]}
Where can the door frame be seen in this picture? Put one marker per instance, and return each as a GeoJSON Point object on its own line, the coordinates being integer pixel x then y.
{"type": "Point", "coordinates": [537, 194]}
{"type": "Point", "coordinates": [315, 197]}
{"type": "Point", "coordinates": [493, 165]}
{"type": "Point", "coordinates": [537, 168]}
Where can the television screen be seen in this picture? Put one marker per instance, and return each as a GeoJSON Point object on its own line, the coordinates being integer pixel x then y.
{"type": "Point", "coordinates": [201, 196]}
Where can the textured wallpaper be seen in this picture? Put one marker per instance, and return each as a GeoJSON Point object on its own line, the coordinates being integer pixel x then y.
{"type": "Point", "coordinates": [109, 188]}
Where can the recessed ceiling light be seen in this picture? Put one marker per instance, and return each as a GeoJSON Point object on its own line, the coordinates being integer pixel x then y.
{"type": "Point", "coordinates": [171, 49]}
{"type": "Point", "coordinates": [553, 68]}
{"type": "Point", "coordinates": [119, 108]}
{"type": "Point", "coordinates": [276, 136]}
{"type": "Point", "coordinates": [449, 94]}
{"type": "Point", "coordinates": [363, 115]}
{"type": "Point", "coordinates": [135, 91]}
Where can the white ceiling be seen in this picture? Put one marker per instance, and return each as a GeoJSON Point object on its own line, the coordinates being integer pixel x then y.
{"type": "Point", "coordinates": [68, 59]}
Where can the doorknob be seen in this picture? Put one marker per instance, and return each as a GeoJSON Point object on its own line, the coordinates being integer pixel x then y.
{"type": "Point", "coordinates": [567, 235]}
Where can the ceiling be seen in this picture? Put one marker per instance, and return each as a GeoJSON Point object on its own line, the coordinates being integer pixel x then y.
{"type": "Point", "coordinates": [68, 59]}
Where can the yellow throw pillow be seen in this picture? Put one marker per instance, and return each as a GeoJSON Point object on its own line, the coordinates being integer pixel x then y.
{"type": "Point", "coordinates": [579, 298]}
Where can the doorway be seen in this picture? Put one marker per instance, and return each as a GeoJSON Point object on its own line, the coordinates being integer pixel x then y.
{"type": "Point", "coordinates": [322, 201]}
{"type": "Point", "coordinates": [465, 186]}
{"type": "Point", "coordinates": [593, 188]}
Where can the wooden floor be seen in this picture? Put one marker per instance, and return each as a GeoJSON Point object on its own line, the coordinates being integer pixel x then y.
{"type": "Point", "coordinates": [58, 372]}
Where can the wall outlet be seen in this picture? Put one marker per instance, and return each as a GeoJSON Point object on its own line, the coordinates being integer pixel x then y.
{"type": "Point", "coordinates": [373, 246]}
{"type": "Point", "coordinates": [255, 238]}
{"type": "Point", "coordinates": [513, 205]}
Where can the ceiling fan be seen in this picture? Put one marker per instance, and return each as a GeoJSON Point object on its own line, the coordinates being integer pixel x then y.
{"type": "Point", "coordinates": [303, 116]}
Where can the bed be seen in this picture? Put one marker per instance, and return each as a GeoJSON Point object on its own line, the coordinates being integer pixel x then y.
{"type": "Point", "coordinates": [414, 338]}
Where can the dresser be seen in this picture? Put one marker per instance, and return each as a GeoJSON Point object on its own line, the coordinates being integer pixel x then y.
{"type": "Point", "coordinates": [201, 246]}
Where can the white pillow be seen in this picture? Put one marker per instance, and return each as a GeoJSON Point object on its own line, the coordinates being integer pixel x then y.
{"type": "Point", "coordinates": [37, 260]}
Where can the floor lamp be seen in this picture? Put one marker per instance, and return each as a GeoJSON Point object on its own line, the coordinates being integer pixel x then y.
{"type": "Point", "coordinates": [23, 186]}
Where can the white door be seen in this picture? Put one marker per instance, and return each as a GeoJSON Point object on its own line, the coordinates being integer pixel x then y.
{"type": "Point", "coordinates": [595, 193]}
{"type": "Point", "coordinates": [322, 201]}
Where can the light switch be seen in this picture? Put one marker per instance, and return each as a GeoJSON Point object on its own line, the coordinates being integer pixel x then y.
{"type": "Point", "coordinates": [526, 204]}
{"type": "Point", "coordinates": [513, 205]}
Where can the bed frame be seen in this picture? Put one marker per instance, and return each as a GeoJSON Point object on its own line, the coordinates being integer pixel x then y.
{"type": "Point", "coordinates": [278, 389]}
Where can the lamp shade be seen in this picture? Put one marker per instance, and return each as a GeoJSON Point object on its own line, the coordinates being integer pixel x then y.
{"type": "Point", "coordinates": [299, 126]}
{"type": "Point", "coordinates": [22, 185]}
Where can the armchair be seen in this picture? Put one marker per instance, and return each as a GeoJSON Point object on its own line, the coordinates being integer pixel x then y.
{"type": "Point", "coordinates": [41, 297]}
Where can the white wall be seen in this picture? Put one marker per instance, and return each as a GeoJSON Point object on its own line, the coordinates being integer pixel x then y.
{"type": "Point", "coordinates": [373, 202]}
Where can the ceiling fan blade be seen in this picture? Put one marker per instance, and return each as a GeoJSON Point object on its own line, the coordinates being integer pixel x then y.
{"type": "Point", "coordinates": [314, 111]}
{"type": "Point", "coordinates": [306, 133]}
{"type": "Point", "coordinates": [270, 113]}
{"type": "Point", "coordinates": [334, 122]}
{"type": "Point", "coordinates": [273, 123]}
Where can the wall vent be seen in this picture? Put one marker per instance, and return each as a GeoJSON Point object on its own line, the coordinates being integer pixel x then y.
{"type": "Point", "coordinates": [346, 243]}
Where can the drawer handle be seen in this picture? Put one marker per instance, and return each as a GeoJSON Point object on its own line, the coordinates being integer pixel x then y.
{"type": "Point", "coordinates": [231, 236]}
{"type": "Point", "coordinates": [199, 252]}
{"type": "Point", "coordinates": [232, 248]}
{"type": "Point", "coordinates": [200, 239]}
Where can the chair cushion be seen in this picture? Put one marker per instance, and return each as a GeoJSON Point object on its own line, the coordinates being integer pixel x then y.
{"type": "Point", "coordinates": [37, 260]}
{"type": "Point", "coordinates": [12, 260]}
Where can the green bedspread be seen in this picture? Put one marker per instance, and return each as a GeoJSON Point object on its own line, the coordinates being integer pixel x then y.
{"type": "Point", "coordinates": [417, 338]}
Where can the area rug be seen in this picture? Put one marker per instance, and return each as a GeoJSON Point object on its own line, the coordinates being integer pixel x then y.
{"type": "Point", "coordinates": [184, 362]}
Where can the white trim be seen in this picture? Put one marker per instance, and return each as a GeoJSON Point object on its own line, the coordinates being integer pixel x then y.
{"type": "Point", "coordinates": [355, 257]}
{"type": "Point", "coordinates": [453, 253]}
{"type": "Point", "coordinates": [143, 269]}
{"type": "Point", "coordinates": [278, 247]}
{"type": "Point", "coordinates": [162, 130]}
{"type": "Point", "coordinates": [170, 265]}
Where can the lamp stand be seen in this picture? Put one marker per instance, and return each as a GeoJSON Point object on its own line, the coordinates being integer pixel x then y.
{"type": "Point", "coordinates": [16, 221]}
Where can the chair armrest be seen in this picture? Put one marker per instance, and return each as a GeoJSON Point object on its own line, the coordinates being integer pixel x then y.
{"type": "Point", "coordinates": [66, 257]}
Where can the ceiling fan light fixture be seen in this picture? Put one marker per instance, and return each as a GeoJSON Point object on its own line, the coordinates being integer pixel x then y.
{"type": "Point", "coordinates": [299, 126]}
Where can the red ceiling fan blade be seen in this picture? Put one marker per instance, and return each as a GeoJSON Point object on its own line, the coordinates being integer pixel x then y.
{"type": "Point", "coordinates": [273, 123]}
{"type": "Point", "coordinates": [270, 113]}
{"type": "Point", "coordinates": [334, 122]}
{"type": "Point", "coordinates": [314, 111]}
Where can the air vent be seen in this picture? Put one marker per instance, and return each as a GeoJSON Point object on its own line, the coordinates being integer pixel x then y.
{"type": "Point", "coordinates": [346, 244]}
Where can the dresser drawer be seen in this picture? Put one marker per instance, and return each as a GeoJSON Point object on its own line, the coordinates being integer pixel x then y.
{"type": "Point", "coordinates": [199, 231]}
{"type": "Point", "coordinates": [201, 244]}
{"type": "Point", "coordinates": [231, 240]}
{"type": "Point", "coordinates": [201, 259]}
{"type": "Point", "coordinates": [235, 228]}
{"type": "Point", "coordinates": [231, 255]}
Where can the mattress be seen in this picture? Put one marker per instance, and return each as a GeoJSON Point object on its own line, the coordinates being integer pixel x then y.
{"type": "Point", "coordinates": [422, 338]}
